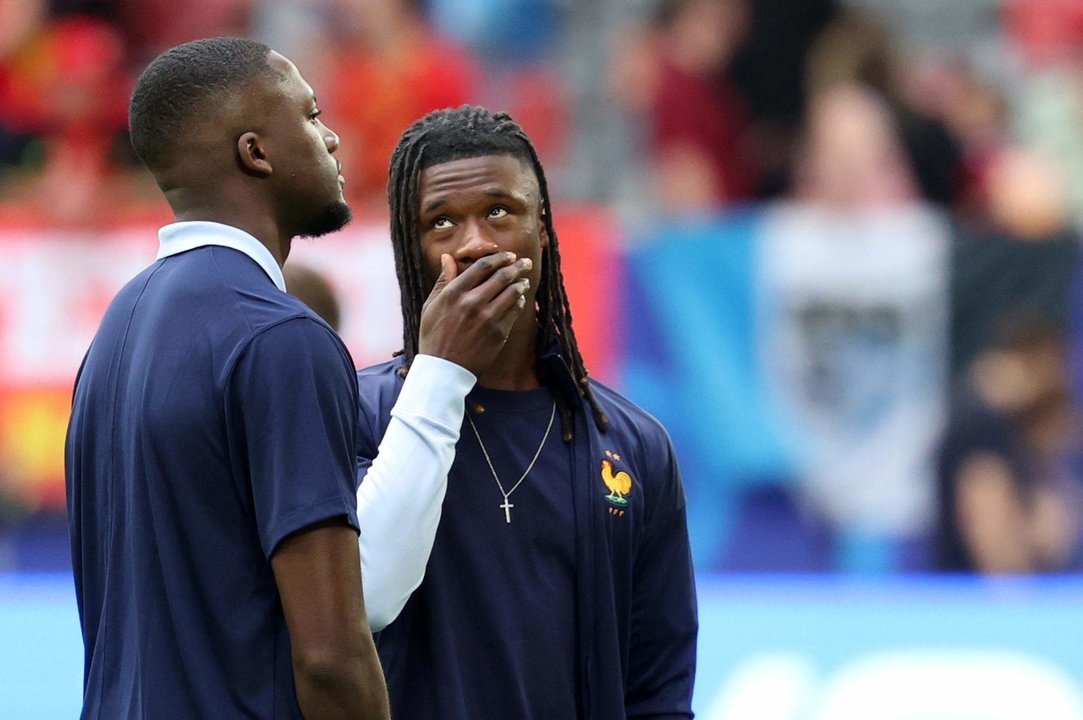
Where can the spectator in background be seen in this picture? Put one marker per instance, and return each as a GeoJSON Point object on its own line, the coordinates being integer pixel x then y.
{"type": "Point", "coordinates": [853, 49]}
{"type": "Point", "coordinates": [852, 158]}
{"type": "Point", "coordinates": [20, 23]}
{"type": "Point", "coordinates": [975, 112]}
{"type": "Point", "coordinates": [768, 71]}
{"type": "Point", "coordinates": [852, 285]}
{"type": "Point", "coordinates": [62, 83]}
{"type": "Point", "coordinates": [699, 122]}
{"type": "Point", "coordinates": [387, 67]}
{"type": "Point", "coordinates": [1009, 474]}
{"type": "Point", "coordinates": [314, 290]}
{"type": "Point", "coordinates": [1017, 250]}
{"type": "Point", "coordinates": [1048, 112]}
{"type": "Point", "coordinates": [12, 512]}
{"type": "Point", "coordinates": [675, 73]}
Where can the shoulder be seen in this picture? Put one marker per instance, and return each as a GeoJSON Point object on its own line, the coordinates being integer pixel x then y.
{"type": "Point", "coordinates": [255, 295]}
{"type": "Point", "coordinates": [382, 373]}
{"type": "Point", "coordinates": [379, 387]}
{"type": "Point", "coordinates": [629, 421]}
{"type": "Point", "coordinates": [300, 352]}
{"type": "Point", "coordinates": [271, 315]}
{"type": "Point", "coordinates": [227, 287]}
{"type": "Point", "coordinates": [382, 378]}
{"type": "Point", "coordinates": [304, 328]}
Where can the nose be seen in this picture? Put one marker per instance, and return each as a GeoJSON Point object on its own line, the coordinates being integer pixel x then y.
{"type": "Point", "coordinates": [475, 244]}
{"type": "Point", "coordinates": [331, 139]}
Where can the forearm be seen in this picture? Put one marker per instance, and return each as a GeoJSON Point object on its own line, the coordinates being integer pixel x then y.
{"type": "Point", "coordinates": [400, 500]}
{"type": "Point", "coordinates": [348, 688]}
{"type": "Point", "coordinates": [336, 670]}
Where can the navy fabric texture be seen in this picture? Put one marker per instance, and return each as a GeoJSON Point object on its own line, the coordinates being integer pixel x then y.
{"type": "Point", "coordinates": [214, 415]}
{"type": "Point", "coordinates": [587, 587]}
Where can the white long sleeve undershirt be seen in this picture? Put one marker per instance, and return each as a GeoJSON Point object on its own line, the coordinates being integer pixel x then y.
{"type": "Point", "coordinates": [401, 496]}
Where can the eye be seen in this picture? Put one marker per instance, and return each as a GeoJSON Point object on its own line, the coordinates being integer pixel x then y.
{"type": "Point", "coordinates": [498, 212]}
{"type": "Point", "coordinates": [441, 223]}
{"type": "Point", "coordinates": [314, 115]}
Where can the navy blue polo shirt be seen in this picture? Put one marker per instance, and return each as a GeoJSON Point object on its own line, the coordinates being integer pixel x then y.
{"type": "Point", "coordinates": [214, 415]}
{"type": "Point", "coordinates": [491, 632]}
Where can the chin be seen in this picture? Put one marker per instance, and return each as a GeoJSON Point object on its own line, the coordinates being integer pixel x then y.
{"type": "Point", "coordinates": [333, 217]}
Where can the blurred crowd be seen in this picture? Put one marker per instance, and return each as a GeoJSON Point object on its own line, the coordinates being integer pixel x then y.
{"type": "Point", "coordinates": [921, 254]}
{"type": "Point", "coordinates": [67, 67]}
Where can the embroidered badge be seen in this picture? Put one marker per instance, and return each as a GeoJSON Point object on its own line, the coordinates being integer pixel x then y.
{"type": "Point", "coordinates": [619, 483]}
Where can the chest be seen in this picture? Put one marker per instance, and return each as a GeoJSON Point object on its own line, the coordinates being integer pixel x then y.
{"type": "Point", "coordinates": [512, 483]}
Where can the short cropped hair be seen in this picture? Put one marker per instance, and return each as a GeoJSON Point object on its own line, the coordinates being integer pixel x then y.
{"type": "Point", "coordinates": [183, 80]}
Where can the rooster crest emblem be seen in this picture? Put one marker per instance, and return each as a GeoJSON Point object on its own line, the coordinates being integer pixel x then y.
{"type": "Point", "coordinates": [619, 483]}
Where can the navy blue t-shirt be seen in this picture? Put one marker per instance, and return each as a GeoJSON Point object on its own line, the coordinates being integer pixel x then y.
{"type": "Point", "coordinates": [491, 631]}
{"type": "Point", "coordinates": [214, 415]}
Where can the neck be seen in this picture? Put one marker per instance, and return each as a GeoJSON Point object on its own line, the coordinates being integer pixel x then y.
{"type": "Point", "coordinates": [262, 226]}
{"type": "Point", "coordinates": [515, 366]}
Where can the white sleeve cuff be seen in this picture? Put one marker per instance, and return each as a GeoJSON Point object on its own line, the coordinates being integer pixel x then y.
{"type": "Point", "coordinates": [435, 388]}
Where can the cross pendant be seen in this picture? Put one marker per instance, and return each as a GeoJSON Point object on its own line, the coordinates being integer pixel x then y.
{"type": "Point", "coordinates": [507, 510]}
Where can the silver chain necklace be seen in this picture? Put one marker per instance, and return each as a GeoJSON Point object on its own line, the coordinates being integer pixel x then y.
{"type": "Point", "coordinates": [507, 506]}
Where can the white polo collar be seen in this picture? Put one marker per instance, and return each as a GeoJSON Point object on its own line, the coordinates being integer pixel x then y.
{"type": "Point", "coordinates": [184, 236]}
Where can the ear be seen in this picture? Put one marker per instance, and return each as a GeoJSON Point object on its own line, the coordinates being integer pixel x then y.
{"type": "Point", "coordinates": [253, 155]}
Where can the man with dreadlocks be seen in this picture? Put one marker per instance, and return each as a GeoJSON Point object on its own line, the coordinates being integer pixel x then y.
{"type": "Point", "coordinates": [538, 566]}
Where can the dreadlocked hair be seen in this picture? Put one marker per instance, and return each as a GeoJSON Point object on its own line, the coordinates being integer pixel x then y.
{"type": "Point", "coordinates": [466, 132]}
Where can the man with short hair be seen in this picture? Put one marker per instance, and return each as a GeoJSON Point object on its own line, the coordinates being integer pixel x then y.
{"type": "Point", "coordinates": [555, 579]}
{"type": "Point", "coordinates": [210, 457]}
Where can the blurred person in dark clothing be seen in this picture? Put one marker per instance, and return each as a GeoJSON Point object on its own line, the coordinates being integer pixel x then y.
{"type": "Point", "coordinates": [855, 49]}
{"type": "Point", "coordinates": [768, 71]}
{"type": "Point", "coordinates": [314, 290]}
{"type": "Point", "coordinates": [1008, 468]}
{"type": "Point", "coordinates": [1016, 248]}
{"type": "Point", "coordinates": [976, 113]}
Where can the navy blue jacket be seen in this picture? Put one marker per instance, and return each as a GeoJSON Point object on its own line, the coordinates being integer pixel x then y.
{"type": "Point", "coordinates": [635, 587]}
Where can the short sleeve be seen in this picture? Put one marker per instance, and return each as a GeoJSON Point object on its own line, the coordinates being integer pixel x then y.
{"type": "Point", "coordinates": [292, 409]}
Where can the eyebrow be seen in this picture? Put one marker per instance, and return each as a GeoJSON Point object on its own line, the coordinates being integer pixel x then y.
{"type": "Point", "coordinates": [440, 202]}
{"type": "Point", "coordinates": [433, 205]}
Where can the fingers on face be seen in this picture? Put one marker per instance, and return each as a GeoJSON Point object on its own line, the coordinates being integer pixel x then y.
{"type": "Point", "coordinates": [494, 291]}
{"type": "Point", "coordinates": [506, 277]}
{"type": "Point", "coordinates": [483, 268]}
{"type": "Point", "coordinates": [509, 304]}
